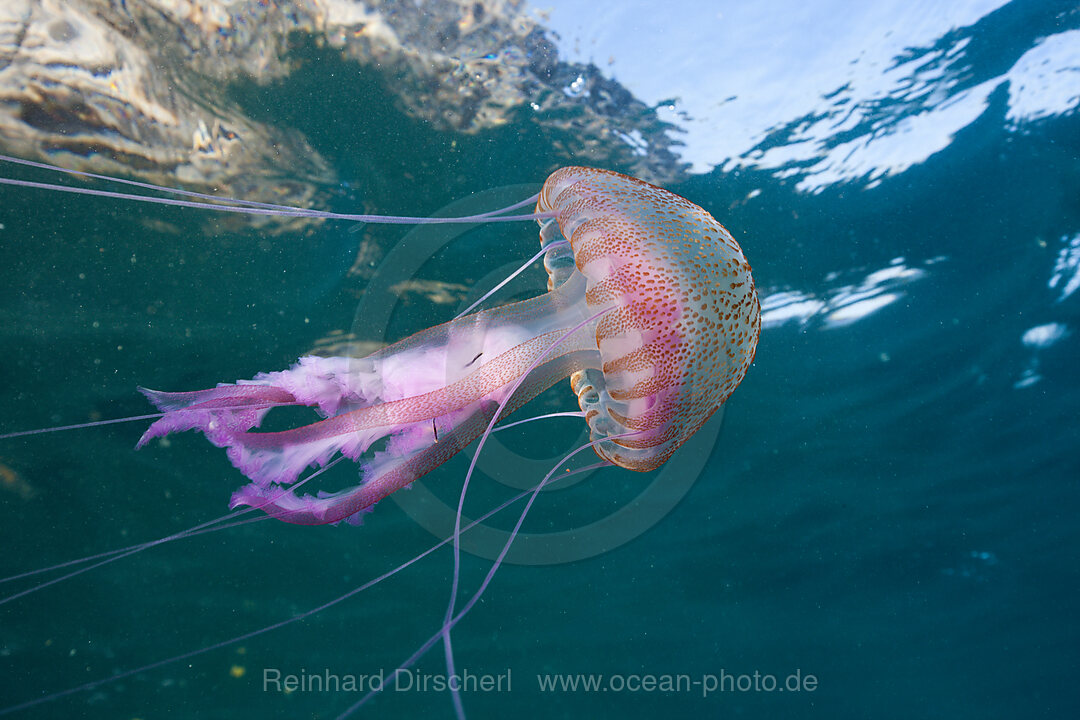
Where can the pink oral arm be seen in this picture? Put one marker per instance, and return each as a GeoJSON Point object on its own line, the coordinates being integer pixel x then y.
{"type": "Point", "coordinates": [460, 411]}
{"type": "Point", "coordinates": [409, 455]}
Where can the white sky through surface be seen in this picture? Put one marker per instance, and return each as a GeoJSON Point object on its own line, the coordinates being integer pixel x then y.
{"type": "Point", "coordinates": [738, 70]}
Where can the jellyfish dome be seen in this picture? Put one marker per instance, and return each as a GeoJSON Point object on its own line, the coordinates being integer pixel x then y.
{"type": "Point", "coordinates": [685, 320]}
{"type": "Point", "coordinates": [650, 311]}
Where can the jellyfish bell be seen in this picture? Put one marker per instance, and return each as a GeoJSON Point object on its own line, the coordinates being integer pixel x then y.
{"type": "Point", "coordinates": [686, 316]}
{"type": "Point", "coordinates": [651, 312]}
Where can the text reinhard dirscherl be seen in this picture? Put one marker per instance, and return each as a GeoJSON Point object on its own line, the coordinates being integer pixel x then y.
{"type": "Point", "coordinates": [274, 680]}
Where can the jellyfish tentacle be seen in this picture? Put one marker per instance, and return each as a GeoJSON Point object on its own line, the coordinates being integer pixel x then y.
{"type": "Point", "coordinates": [590, 323]}
{"type": "Point", "coordinates": [248, 208]}
{"type": "Point", "coordinates": [507, 279]}
{"type": "Point", "coordinates": [101, 559]}
{"type": "Point", "coordinates": [291, 620]}
{"type": "Point", "coordinates": [485, 583]}
{"type": "Point", "coordinates": [251, 207]}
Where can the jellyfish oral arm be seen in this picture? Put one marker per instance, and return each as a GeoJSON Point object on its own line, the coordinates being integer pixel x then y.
{"type": "Point", "coordinates": [413, 405]}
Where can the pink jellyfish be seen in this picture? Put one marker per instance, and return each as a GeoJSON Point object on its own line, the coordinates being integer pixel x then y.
{"type": "Point", "coordinates": [651, 312]}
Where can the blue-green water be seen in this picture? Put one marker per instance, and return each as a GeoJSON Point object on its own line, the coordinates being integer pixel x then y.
{"type": "Point", "coordinates": [889, 505]}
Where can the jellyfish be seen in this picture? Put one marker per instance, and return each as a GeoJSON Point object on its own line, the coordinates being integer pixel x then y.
{"type": "Point", "coordinates": [651, 312]}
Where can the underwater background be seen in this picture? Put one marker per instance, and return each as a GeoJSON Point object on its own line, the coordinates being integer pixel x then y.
{"type": "Point", "coordinates": [888, 505]}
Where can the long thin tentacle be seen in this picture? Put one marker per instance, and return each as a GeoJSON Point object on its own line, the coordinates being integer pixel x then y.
{"type": "Point", "coordinates": [168, 538]}
{"type": "Point", "coordinates": [510, 277]}
{"type": "Point", "coordinates": [449, 652]}
{"type": "Point", "coordinates": [269, 628]}
{"type": "Point", "coordinates": [203, 196]}
{"type": "Point", "coordinates": [533, 493]}
{"type": "Point", "coordinates": [295, 212]}
{"type": "Point", "coordinates": [218, 523]}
